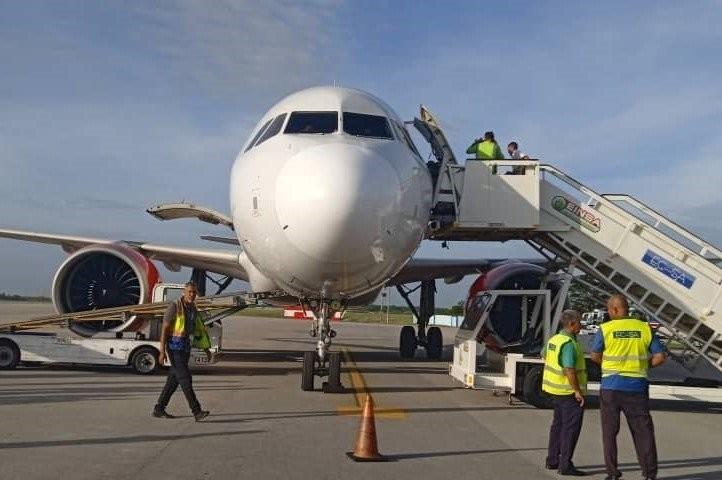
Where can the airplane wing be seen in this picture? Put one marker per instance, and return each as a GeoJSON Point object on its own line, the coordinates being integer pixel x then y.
{"type": "Point", "coordinates": [224, 262]}
{"type": "Point", "coordinates": [452, 271]}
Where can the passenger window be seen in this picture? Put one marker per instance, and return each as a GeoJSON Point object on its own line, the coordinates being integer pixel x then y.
{"type": "Point", "coordinates": [312, 122]}
{"type": "Point", "coordinates": [258, 135]}
{"type": "Point", "coordinates": [273, 129]}
{"type": "Point", "coordinates": [362, 125]}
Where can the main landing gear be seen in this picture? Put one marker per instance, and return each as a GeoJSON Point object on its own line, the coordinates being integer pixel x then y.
{"type": "Point", "coordinates": [431, 339]}
{"type": "Point", "coordinates": [321, 362]}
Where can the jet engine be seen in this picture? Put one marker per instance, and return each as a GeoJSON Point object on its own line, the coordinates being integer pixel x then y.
{"type": "Point", "coordinates": [506, 329]}
{"type": "Point", "coordinates": [103, 276]}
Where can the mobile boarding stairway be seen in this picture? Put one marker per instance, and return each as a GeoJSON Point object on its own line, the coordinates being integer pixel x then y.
{"type": "Point", "coordinates": [670, 274]}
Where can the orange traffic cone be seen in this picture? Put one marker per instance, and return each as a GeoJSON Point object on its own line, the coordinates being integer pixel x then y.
{"type": "Point", "coordinates": [366, 449]}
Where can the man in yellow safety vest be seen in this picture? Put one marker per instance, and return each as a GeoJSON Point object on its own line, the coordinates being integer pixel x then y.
{"type": "Point", "coordinates": [486, 148]}
{"type": "Point", "coordinates": [182, 329]}
{"type": "Point", "coordinates": [626, 348]}
{"type": "Point", "coordinates": [565, 379]}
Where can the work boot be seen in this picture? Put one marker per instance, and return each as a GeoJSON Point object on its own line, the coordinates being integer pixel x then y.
{"type": "Point", "coordinates": [572, 472]}
{"type": "Point", "coordinates": [161, 413]}
{"type": "Point", "coordinates": [201, 415]}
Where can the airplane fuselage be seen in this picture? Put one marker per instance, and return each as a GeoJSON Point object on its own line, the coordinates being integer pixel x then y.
{"type": "Point", "coordinates": [335, 202]}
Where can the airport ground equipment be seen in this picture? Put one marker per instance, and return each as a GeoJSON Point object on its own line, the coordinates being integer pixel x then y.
{"type": "Point", "coordinates": [667, 272]}
{"type": "Point", "coordinates": [138, 348]}
{"type": "Point", "coordinates": [672, 275]}
{"type": "Point", "coordinates": [57, 348]}
{"type": "Point", "coordinates": [516, 374]}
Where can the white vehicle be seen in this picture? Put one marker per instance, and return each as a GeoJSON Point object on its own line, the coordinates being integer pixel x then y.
{"type": "Point", "coordinates": [477, 366]}
{"type": "Point", "coordinates": [139, 350]}
{"type": "Point", "coordinates": [595, 317]}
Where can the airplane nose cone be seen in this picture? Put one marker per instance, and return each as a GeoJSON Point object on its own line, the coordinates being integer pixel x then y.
{"type": "Point", "coordinates": [335, 202]}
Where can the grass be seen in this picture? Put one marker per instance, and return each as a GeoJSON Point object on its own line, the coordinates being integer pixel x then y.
{"type": "Point", "coordinates": [378, 317]}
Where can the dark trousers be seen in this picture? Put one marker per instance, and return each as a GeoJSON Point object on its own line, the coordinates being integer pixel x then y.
{"type": "Point", "coordinates": [179, 374]}
{"type": "Point", "coordinates": [636, 409]}
{"type": "Point", "coordinates": [564, 432]}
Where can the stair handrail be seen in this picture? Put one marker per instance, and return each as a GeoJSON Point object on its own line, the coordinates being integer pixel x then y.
{"type": "Point", "coordinates": [608, 202]}
{"type": "Point", "coordinates": [706, 247]}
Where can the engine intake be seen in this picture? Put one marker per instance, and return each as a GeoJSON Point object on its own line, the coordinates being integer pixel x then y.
{"type": "Point", "coordinates": [103, 276]}
{"type": "Point", "coordinates": [505, 331]}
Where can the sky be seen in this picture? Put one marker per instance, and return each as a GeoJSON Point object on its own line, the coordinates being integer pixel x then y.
{"type": "Point", "coordinates": [107, 108]}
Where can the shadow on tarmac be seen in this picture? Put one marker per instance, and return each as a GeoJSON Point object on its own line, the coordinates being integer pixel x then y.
{"type": "Point", "coordinates": [669, 464]}
{"type": "Point", "coordinates": [373, 353]}
{"type": "Point", "coordinates": [393, 389]}
{"type": "Point", "coordinates": [282, 415]}
{"type": "Point", "coordinates": [72, 393]}
{"type": "Point", "coordinates": [454, 453]}
{"type": "Point", "coordinates": [688, 406]}
{"type": "Point", "coordinates": [116, 440]}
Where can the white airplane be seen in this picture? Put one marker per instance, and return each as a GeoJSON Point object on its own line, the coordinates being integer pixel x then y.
{"type": "Point", "coordinates": [329, 200]}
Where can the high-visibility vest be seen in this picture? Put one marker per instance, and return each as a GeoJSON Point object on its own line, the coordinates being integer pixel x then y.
{"type": "Point", "coordinates": [554, 381]}
{"type": "Point", "coordinates": [200, 338]}
{"type": "Point", "coordinates": [488, 150]}
{"type": "Point", "coordinates": [626, 347]}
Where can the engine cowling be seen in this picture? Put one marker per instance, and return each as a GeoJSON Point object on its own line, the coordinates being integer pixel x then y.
{"type": "Point", "coordinates": [504, 332]}
{"type": "Point", "coordinates": [103, 276]}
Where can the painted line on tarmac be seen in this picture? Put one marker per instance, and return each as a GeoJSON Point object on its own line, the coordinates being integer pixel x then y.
{"type": "Point", "coordinates": [360, 390]}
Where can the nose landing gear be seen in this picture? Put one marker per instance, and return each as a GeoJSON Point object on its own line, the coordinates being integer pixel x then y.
{"type": "Point", "coordinates": [321, 362]}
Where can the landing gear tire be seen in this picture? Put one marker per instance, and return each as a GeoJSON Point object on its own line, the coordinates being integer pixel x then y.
{"type": "Point", "coordinates": [333, 385]}
{"type": "Point", "coordinates": [533, 394]}
{"type": "Point", "coordinates": [145, 361]}
{"type": "Point", "coordinates": [434, 343]}
{"type": "Point", "coordinates": [309, 368]}
{"type": "Point", "coordinates": [9, 354]}
{"type": "Point", "coordinates": [407, 342]}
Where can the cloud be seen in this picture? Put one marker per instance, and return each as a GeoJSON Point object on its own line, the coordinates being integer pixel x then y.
{"type": "Point", "coordinates": [243, 46]}
{"type": "Point", "coordinates": [108, 110]}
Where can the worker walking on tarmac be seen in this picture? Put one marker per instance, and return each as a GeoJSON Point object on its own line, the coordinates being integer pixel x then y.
{"type": "Point", "coordinates": [486, 148]}
{"type": "Point", "coordinates": [565, 379]}
{"type": "Point", "coordinates": [182, 329]}
{"type": "Point", "coordinates": [626, 348]}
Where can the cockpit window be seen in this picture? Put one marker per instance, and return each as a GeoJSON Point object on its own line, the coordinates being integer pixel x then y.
{"type": "Point", "coordinates": [312, 122]}
{"type": "Point", "coordinates": [406, 138]}
{"type": "Point", "coordinates": [272, 129]}
{"type": "Point", "coordinates": [363, 125]}
{"type": "Point", "coordinates": [258, 135]}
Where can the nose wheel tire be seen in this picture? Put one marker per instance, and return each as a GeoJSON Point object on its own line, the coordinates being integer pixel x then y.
{"type": "Point", "coordinates": [407, 342]}
{"type": "Point", "coordinates": [308, 373]}
{"type": "Point", "coordinates": [434, 343]}
{"type": "Point", "coordinates": [333, 385]}
{"type": "Point", "coordinates": [9, 354]}
{"type": "Point", "coordinates": [312, 368]}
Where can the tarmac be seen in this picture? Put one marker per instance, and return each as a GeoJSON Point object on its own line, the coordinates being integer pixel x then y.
{"type": "Point", "coordinates": [95, 423]}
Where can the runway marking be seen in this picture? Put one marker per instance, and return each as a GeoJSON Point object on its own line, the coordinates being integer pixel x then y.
{"type": "Point", "coordinates": [360, 390]}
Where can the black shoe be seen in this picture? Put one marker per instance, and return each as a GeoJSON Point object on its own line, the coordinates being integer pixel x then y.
{"type": "Point", "coordinates": [162, 414]}
{"type": "Point", "coordinates": [201, 415]}
{"type": "Point", "coordinates": [613, 477]}
{"type": "Point", "coordinates": [572, 472]}
{"type": "Point", "coordinates": [551, 467]}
